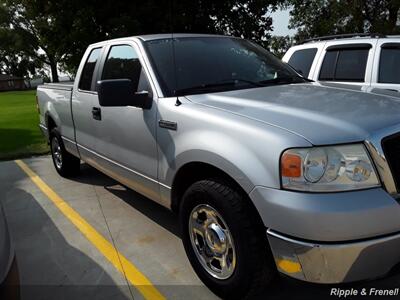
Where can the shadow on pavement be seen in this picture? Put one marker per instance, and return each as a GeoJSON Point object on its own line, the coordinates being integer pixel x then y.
{"type": "Point", "coordinates": [150, 209]}
{"type": "Point", "coordinates": [89, 175]}
{"type": "Point", "coordinates": [49, 266]}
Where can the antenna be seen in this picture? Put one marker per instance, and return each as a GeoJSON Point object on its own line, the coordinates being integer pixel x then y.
{"type": "Point", "coordinates": [177, 103]}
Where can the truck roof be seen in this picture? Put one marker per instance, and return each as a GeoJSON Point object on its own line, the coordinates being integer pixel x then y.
{"type": "Point", "coordinates": [151, 37]}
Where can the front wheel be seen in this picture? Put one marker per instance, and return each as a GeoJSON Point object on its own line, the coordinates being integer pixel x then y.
{"type": "Point", "coordinates": [65, 163]}
{"type": "Point", "coordinates": [225, 241]}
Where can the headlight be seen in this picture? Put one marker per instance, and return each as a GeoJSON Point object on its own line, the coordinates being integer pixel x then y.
{"type": "Point", "coordinates": [328, 169]}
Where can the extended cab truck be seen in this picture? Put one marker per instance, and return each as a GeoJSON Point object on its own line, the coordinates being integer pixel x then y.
{"type": "Point", "coordinates": [267, 171]}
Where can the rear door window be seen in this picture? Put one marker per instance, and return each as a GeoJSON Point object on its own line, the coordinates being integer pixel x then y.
{"type": "Point", "coordinates": [301, 60]}
{"type": "Point", "coordinates": [389, 64]}
{"type": "Point", "coordinates": [328, 66]}
{"type": "Point", "coordinates": [85, 82]}
{"type": "Point", "coordinates": [344, 65]}
{"type": "Point", "coordinates": [351, 65]}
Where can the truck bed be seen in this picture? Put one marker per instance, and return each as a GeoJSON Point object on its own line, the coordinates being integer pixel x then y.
{"type": "Point", "coordinates": [55, 99]}
{"type": "Point", "coordinates": [66, 85]}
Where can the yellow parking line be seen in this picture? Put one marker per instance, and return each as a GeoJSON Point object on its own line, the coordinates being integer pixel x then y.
{"type": "Point", "coordinates": [120, 262]}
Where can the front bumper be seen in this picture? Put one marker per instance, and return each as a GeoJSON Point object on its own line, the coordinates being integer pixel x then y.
{"type": "Point", "coordinates": [335, 262]}
{"type": "Point", "coordinates": [331, 237]}
{"type": "Point", "coordinates": [328, 217]}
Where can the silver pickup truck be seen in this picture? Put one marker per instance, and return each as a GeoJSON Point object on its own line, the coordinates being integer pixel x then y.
{"type": "Point", "coordinates": [268, 171]}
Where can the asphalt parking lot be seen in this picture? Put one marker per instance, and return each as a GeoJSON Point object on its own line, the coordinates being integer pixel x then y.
{"type": "Point", "coordinates": [91, 238]}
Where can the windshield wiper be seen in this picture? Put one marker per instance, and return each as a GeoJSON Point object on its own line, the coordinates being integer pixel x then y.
{"type": "Point", "coordinates": [236, 80]}
{"type": "Point", "coordinates": [280, 80]}
{"type": "Point", "coordinates": [211, 86]}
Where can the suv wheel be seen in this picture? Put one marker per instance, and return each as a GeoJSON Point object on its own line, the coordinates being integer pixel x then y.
{"type": "Point", "coordinates": [65, 163]}
{"type": "Point", "coordinates": [225, 241]}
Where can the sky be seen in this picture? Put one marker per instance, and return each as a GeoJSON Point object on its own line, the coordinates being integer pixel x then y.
{"type": "Point", "coordinates": [280, 23]}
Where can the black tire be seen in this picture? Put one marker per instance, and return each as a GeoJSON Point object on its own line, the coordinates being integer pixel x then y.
{"type": "Point", "coordinates": [65, 163]}
{"type": "Point", "coordinates": [254, 268]}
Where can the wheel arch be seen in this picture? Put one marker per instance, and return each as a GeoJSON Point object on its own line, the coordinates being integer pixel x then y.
{"type": "Point", "coordinates": [51, 117]}
{"type": "Point", "coordinates": [50, 123]}
{"type": "Point", "coordinates": [192, 172]}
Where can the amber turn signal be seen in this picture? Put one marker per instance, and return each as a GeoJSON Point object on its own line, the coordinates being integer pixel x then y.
{"type": "Point", "coordinates": [291, 165]}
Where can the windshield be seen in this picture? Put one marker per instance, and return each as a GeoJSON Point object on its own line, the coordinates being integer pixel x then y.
{"type": "Point", "coordinates": [215, 64]}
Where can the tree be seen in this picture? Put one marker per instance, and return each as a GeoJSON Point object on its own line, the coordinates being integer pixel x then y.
{"type": "Point", "coordinates": [111, 19]}
{"type": "Point", "coordinates": [58, 32]}
{"type": "Point", "coordinates": [29, 26]}
{"type": "Point", "coordinates": [325, 17]}
{"type": "Point", "coordinates": [247, 19]}
{"type": "Point", "coordinates": [18, 65]}
{"type": "Point", "coordinates": [278, 45]}
{"type": "Point", "coordinates": [13, 60]}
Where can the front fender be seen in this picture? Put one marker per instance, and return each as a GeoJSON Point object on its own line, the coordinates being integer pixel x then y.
{"type": "Point", "coordinates": [224, 153]}
{"type": "Point", "coordinates": [247, 150]}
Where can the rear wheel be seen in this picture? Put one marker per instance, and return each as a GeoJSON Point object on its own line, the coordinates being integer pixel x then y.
{"type": "Point", "coordinates": [225, 240]}
{"type": "Point", "coordinates": [65, 163]}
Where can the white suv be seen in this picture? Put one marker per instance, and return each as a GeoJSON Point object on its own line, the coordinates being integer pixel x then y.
{"type": "Point", "coordinates": [367, 62]}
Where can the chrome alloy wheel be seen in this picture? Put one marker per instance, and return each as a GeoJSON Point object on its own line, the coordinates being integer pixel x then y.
{"type": "Point", "coordinates": [57, 154]}
{"type": "Point", "coordinates": [212, 241]}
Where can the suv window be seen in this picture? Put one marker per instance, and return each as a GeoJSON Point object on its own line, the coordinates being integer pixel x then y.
{"type": "Point", "coordinates": [344, 65]}
{"type": "Point", "coordinates": [123, 63]}
{"type": "Point", "coordinates": [389, 65]}
{"type": "Point", "coordinates": [85, 82]}
{"type": "Point", "coordinates": [301, 60]}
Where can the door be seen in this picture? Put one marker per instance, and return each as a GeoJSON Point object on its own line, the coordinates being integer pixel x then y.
{"type": "Point", "coordinates": [83, 100]}
{"type": "Point", "coordinates": [126, 136]}
{"type": "Point", "coordinates": [386, 73]}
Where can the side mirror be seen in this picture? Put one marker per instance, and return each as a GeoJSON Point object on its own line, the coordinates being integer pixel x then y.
{"type": "Point", "coordinates": [119, 92]}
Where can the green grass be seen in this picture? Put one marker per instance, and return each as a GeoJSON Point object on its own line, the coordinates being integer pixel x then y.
{"type": "Point", "coordinates": [20, 135]}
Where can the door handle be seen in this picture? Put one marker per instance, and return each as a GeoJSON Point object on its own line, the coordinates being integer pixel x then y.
{"type": "Point", "coordinates": [96, 113]}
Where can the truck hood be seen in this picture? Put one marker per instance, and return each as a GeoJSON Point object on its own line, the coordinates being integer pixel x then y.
{"type": "Point", "coordinates": [322, 115]}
